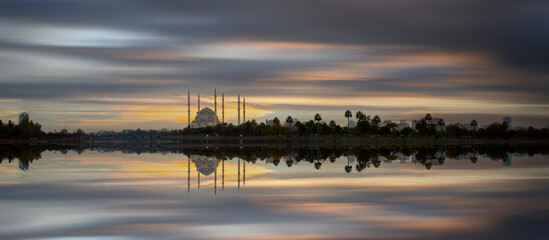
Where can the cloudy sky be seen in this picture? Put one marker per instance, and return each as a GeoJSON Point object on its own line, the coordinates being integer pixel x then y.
{"type": "Point", "coordinates": [114, 64]}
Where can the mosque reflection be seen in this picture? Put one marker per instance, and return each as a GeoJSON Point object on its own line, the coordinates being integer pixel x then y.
{"type": "Point", "coordinates": [207, 160]}
{"type": "Point", "coordinates": [208, 165]}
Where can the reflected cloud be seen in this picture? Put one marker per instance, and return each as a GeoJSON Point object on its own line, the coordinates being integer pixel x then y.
{"type": "Point", "coordinates": [139, 192]}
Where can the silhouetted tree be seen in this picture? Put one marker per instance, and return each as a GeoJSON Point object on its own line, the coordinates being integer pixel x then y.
{"type": "Point", "coordinates": [318, 118]}
{"type": "Point", "coordinates": [289, 121]}
{"type": "Point", "coordinates": [348, 115]}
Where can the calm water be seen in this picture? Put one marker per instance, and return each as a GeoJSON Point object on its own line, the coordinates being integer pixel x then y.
{"type": "Point", "coordinates": [269, 193]}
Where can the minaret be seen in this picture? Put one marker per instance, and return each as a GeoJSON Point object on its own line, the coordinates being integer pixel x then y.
{"type": "Point", "coordinates": [222, 107]}
{"type": "Point", "coordinates": [244, 110]}
{"type": "Point", "coordinates": [238, 109]}
{"type": "Point", "coordinates": [215, 101]}
{"type": "Point", "coordinates": [189, 108]}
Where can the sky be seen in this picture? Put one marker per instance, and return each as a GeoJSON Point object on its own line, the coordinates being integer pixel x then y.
{"type": "Point", "coordinates": [115, 64]}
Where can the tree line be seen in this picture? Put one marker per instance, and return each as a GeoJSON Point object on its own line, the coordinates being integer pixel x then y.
{"type": "Point", "coordinates": [428, 126]}
{"type": "Point", "coordinates": [364, 158]}
{"type": "Point", "coordinates": [27, 129]}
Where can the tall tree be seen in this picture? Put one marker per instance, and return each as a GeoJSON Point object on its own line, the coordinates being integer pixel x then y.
{"type": "Point", "coordinates": [318, 118]}
{"type": "Point", "coordinates": [474, 124]}
{"type": "Point", "coordinates": [441, 124]}
{"type": "Point", "coordinates": [392, 126]}
{"type": "Point", "coordinates": [289, 121]}
{"type": "Point", "coordinates": [428, 118]}
{"type": "Point", "coordinates": [360, 116]}
{"type": "Point", "coordinates": [375, 121]}
{"type": "Point", "coordinates": [348, 115]}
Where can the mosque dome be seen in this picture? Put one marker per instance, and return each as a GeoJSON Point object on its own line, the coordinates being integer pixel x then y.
{"type": "Point", "coordinates": [205, 165]}
{"type": "Point", "coordinates": [205, 117]}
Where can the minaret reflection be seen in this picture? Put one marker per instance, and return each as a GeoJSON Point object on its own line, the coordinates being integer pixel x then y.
{"type": "Point", "coordinates": [188, 173]}
{"type": "Point", "coordinates": [223, 175]}
{"type": "Point", "coordinates": [207, 166]}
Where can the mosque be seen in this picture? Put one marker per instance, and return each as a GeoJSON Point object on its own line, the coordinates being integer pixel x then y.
{"type": "Point", "coordinates": [206, 116]}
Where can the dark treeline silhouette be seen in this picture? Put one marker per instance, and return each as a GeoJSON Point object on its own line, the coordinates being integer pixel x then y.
{"type": "Point", "coordinates": [367, 126]}
{"type": "Point", "coordinates": [362, 158]}
{"type": "Point", "coordinates": [27, 129]}
{"type": "Point", "coordinates": [27, 154]}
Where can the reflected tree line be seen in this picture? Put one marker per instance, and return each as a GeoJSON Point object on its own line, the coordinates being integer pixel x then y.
{"type": "Point", "coordinates": [358, 158]}
{"type": "Point", "coordinates": [27, 154]}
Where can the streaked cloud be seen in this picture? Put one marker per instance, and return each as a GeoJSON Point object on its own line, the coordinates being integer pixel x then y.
{"type": "Point", "coordinates": [462, 58]}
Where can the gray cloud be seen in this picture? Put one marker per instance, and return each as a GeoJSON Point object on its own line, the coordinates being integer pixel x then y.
{"type": "Point", "coordinates": [163, 48]}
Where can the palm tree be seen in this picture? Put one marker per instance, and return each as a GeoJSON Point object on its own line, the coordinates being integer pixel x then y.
{"type": "Point", "coordinates": [474, 124]}
{"type": "Point", "coordinates": [441, 124]}
{"type": "Point", "coordinates": [428, 118]}
{"type": "Point", "coordinates": [348, 168]}
{"type": "Point", "coordinates": [348, 114]}
{"type": "Point", "coordinates": [360, 116]}
{"type": "Point", "coordinates": [318, 118]}
{"type": "Point", "coordinates": [392, 126]}
{"type": "Point", "coordinates": [289, 121]}
{"type": "Point", "coordinates": [375, 121]}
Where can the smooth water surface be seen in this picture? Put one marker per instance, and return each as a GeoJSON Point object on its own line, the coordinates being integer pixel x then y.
{"type": "Point", "coordinates": [209, 193]}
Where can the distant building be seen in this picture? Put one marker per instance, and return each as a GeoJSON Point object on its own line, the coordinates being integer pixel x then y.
{"type": "Point", "coordinates": [352, 124]}
{"type": "Point", "coordinates": [403, 158]}
{"type": "Point", "coordinates": [204, 118]}
{"type": "Point", "coordinates": [508, 121]}
{"type": "Point", "coordinates": [22, 166]}
{"type": "Point", "coordinates": [351, 158]}
{"type": "Point", "coordinates": [402, 125]}
{"type": "Point", "coordinates": [269, 122]}
{"type": "Point", "coordinates": [414, 123]}
{"type": "Point", "coordinates": [23, 116]}
{"type": "Point", "coordinates": [466, 126]}
{"type": "Point", "coordinates": [507, 160]}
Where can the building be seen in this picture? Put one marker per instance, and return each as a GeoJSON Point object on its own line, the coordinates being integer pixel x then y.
{"type": "Point", "coordinates": [507, 120]}
{"type": "Point", "coordinates": [402, 125]}
{"type": "Point", "coordinates": [204, 118]}
{"type": "Point", "coordinates": [352, 124]}
{"type": "Point", "coordinates": [23, 116]}
{"type": "Point", "coordinates": [466, 126]}
{"type": "Point", "coordinates": [208, 117]}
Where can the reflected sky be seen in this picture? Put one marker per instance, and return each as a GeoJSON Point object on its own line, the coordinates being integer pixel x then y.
{"type": "Point", "coordinates": [141, 196]}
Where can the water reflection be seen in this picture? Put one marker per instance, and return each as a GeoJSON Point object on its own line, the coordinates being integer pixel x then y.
{"type": "Point", "coordinates": [207, 160]}
{"type": "Point", "coordinates": [439, 192]}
